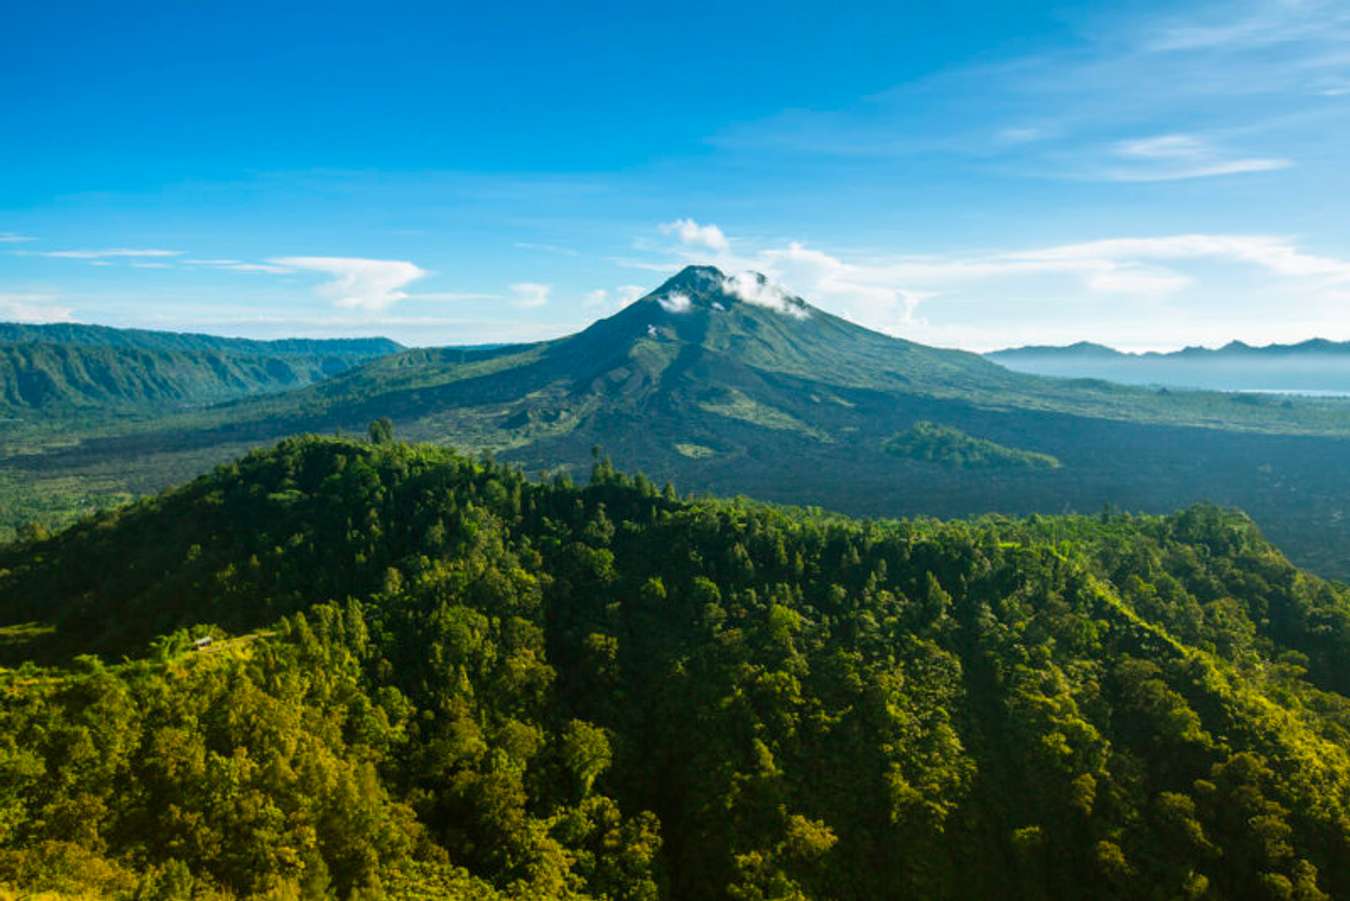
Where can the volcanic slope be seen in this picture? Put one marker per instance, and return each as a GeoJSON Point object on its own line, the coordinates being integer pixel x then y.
{"type": "Point", "coordinates": [731, 385]}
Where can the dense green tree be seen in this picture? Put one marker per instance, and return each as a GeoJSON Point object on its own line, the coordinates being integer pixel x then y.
{"type": "Point", "coordinates": [432, 677]}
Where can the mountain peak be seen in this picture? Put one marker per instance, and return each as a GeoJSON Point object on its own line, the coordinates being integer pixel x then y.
{"type": "Point", "coordinates": [694, 276]}
{"type": "Point", "coordinates": [700, 284]}
{"type": "Point", "coordinates": [708, 288]}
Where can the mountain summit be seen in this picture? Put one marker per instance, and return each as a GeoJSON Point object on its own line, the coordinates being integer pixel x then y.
{"type": "Point", "coordinates": [730, 383]}
{"type": "Point", "coordinates": [748, 320]}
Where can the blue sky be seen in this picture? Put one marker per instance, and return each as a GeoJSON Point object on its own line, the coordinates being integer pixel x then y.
{"type": "Point", "coordinates": [964, 174]}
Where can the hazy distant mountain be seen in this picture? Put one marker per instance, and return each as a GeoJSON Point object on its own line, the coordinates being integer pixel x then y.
{"type": "Point", "coordinates": [94, 369]}
{"type": "Point", "coordinates": [1315, 366]}
{"type": "Point", "coordinates": [729, 385]}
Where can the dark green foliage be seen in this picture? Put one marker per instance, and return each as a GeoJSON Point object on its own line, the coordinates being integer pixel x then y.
{"type": "Point", "coordinates": [381, 431]}
{"type": "Point", "coordinates": [954, 449]}
{"type": "Point", "coordinates": [473, 685]}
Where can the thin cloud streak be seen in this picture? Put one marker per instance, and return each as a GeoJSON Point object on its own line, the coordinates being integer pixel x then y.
{"type": "Point", "coordinates": [240, 266]}
{"type": "Point", "coordinates": [107, 254]}
{"type": "Point", "coordinates": [1248, 70]}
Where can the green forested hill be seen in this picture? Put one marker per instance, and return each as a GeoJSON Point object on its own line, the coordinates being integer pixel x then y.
{"type": "Point", "coordinates": [433, 677]}
{"type": "Point", "coordinates": [63, 384]}
{"type": "Point", "coordinates": [67, 369]}
{"type": "Point", "coordinates": [51, 379]}
{"type": "Point", "coordinates": [70, 333]}
{"type": "Point", "coordinates": [732, 387]}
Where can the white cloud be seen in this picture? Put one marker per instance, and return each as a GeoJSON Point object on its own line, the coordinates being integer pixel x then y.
{"type": "Point", "coordinates": [1054, 283]}
{"type": "Point", "coordinates": [691, 233]}
{"type": "Point", "coordinates": [240, 266]}
{"type": "Point", "coordinates": [1137, 281]}
{"type": "Point", "coordinates": [452, 296]}
{"type": "Point", "coordinates": [1019, 135]}
{"type": "Point", "coordinates": [1173, 157]}
{"type": "Point", "coordinates": [675, 302]}
{"type": "Point", "coordinates": [12, 238]}
{"type": "Point", "coordinates": [1164, 147]}
{"type": "Point", "coordinates": [151, 266]}
{"type": "Point", "coordinates": [867, 292]}
{"type": "Point", "coordinates": [664, 268]}
{"type": "Point", "coordinates": [603, 302]}
{"type": "Point", "coordinates": [547, 248]}
{"type": "Point", "coordinates": [358, 283]}
{"type": "Point", "coordinates": [530, 295]}
{"type": "Point", "coordinates": [1258, 27]}
{"type": "Point", "coordinates": [755, 289]}
{"type": "Point", "coordinates": [32, 308]}
{"type": "Point", "coordinates": [1270, 252]}
{"type": "Point", "coordinates": [110, 253]}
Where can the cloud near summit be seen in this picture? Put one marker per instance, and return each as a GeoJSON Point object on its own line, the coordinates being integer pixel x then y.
{"type": "Point", "coordinates": [887, 290]}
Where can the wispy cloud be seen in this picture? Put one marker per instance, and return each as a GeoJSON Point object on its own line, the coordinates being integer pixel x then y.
{"type": "Point", "coordinates": [547, 248]}
{"type": "Point", "coordinates": [452, 296]}
{"type": "Point", "coordinates": [358, 283]}
{"type": "Point", "coordinates": [12, 238]}
{"type": "Point", "coordinates": [1276, 254]}
{"type": "Point", "coordinates": [240, 266]}
{"type": "Point", "coordinates": [1174, 157]}
{"type": "Point", "coordinates": [1246, 81]}
{"type": "Point", "coordinates": [106, 254]}
{"type": "Point", "coordinates": [603, 302]}
{"type": "Point", "coordinates": [33, 308]}
{"type": "Point", "coordinates": [1249, 26]}
{"type": "Point", "coordinates": [530, 295]}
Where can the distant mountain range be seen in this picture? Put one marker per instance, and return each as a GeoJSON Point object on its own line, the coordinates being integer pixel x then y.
{"type": "Point", "coordinates": [730, 385]}
{"type": "Point", "coordinates": [1317, 366]}
{"type": "Point", "coordinates": [87, 368]}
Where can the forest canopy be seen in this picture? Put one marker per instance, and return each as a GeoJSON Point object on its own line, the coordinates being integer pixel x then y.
{"type": "Point", "coordinates": [950, 447]}
{"type": "Point", "coordinates": [429, 675]}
